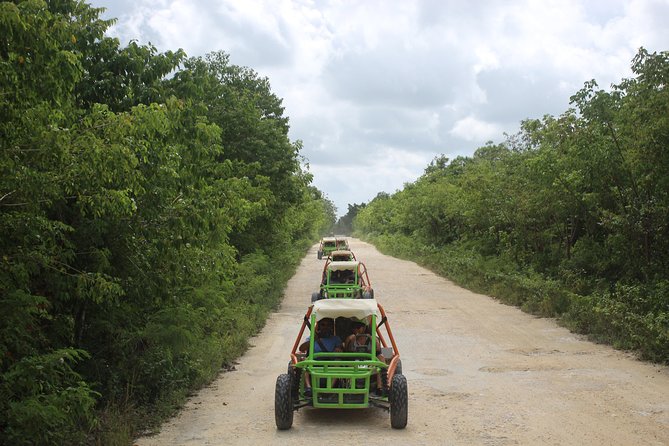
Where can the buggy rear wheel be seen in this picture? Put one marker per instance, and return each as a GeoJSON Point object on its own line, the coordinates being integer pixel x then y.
{"type": "Point", "coordinates": [320, 255]}
{"type": "Point", "coordinates": [283, 402]}
{"type": "Point", "coordinates": [399, 402]}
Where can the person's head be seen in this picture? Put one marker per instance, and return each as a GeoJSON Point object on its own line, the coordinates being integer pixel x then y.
{"type": "Point", "coordinates": [325, 327]}
{"type": "Point", "coordinates": [358, 327]}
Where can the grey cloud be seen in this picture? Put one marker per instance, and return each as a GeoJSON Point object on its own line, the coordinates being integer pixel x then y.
{"type": "Point", "coordinates": [376, 127]}
{"type": "Point", "coordinates": [515, 94]}
{"type": "Point", "coordinates": [217, 28]}
{"type": "Point", "coordinates": [653, 22]}
{"type": "Point", "coordinates": [343, 153]}
{"type": "Point", "coordinates": [363, 137]}
{"type": "Point", "coordinates": [248, 44]}
{"type": "Point", "coordinates": [601, 12]}
{"type": "Point", "coordinates": [114, 8]}
{"type": "Point", "coordinates": [393, 75]}
{"type": "Point", "coordinates": [401, 128]}
{"type": "Point", "coordinates": [433, 13]}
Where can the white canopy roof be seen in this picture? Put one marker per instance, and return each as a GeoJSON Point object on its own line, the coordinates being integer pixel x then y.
{"type": "Point", "coordinates": [340, 252]}
{"type": "Point", "coordinates": [343, 265]}
{"type": "Point", "coordinates": [329, 239]}
{"type": "Point", "coordinates": [334, 308]}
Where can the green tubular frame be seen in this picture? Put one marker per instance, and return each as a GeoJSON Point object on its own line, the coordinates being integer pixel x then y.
{"type": "Point", "coordinates": [328, 249]}
{"type": "Point", "coordinates": [342, 290]}
{"type": "Point", "coordinates": [352, 375]}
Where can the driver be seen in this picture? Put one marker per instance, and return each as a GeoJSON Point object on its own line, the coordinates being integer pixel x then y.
{"type": "Point", "coordinates": [347, 276]}
{"type": "Point", "coordinates": [324, 341]}
{"type": "Point", "coordinates": [335, 276]}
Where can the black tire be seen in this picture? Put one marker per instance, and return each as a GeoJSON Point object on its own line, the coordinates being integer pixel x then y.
{"type": "Point", "coordinates": [320, 255]}
{"type": "Point", "coordinates": [294, 374]}
{"type": "Point", "coordinates": [399, 402]}
{"type": "Point", "coordinates": [283, 402]}
{"type": "Point", "coordinates": [398, 367]}
{"type": "Point", "coordinates": [315, 296]}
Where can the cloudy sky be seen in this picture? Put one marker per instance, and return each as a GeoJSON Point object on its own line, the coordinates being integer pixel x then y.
{"type": "Point", "coordinates": [376, 89]}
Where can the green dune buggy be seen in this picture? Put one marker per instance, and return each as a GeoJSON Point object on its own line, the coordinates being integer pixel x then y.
{"type": "Point", "coordinates": [342, 243]}
{"type": "Point", "coordinates": [344, 380]}
{"type": "Point", "coordinates": [327, 245]}
{"type": "Point", "coordinates": [341, 255]}
{"type": "Point", "coordinates": [344, 279]}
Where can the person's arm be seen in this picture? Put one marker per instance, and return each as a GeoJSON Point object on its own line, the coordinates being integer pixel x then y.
{"type": "Point", "coordinates": [347, 343]}
{"type": "Point", "coordinates": [304, 346]}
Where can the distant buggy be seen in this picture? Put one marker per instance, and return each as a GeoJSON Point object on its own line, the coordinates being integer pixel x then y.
{"type": "Point", "coordinates": [342, 243]}
{"type": "Point", "coordinates": [344, 280]}
{"type": "Point", "coordinates": [329, 244]}
{"type": "Point", "coordinates": [340, 255]}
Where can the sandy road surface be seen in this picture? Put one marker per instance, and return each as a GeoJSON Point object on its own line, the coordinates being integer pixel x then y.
{"type": "Point", "coordinates": [479, 373]}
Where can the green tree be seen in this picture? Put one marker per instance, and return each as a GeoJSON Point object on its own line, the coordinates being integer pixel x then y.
{"type": "Point", "coordinates": [345, 223]}
{"type": "Point", "coordinates": [145, 222]}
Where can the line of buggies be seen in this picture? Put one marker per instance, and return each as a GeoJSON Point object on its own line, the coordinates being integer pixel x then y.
{"type": "Point", "coordinates": [349, 358]}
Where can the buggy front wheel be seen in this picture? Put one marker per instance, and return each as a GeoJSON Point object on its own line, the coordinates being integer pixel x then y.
{"type": "Point", "coordinates": [399, 402]}
{"type": "Point", "coordinates": [398, 368]}
{"type": "Point", "coordinates": [283, 402]}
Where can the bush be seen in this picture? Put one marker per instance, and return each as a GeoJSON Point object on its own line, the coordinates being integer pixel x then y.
{"type": "Point", "coordinates": [614, 318]}
{"type": "Point", "coordinates": [43, 401]}
{"type": "Point", "coordinates": [632, 317]}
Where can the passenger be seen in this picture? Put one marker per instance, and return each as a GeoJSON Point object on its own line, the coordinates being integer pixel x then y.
{"type": "Point", "coordinates": [347, 276]}
{"type": "Point", "coordinates": [360, 342]}
{"type": "Point", "coordinates": [335, 277]}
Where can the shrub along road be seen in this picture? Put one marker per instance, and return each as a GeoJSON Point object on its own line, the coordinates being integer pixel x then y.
{"type": "Point", "coordinates": [479, 372]}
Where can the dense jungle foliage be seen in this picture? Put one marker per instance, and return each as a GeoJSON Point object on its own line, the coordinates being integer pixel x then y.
{"type": "Point", "coordinates": [151, 208]}
{"type": "Point", "coordinates": [344, 224]}
{"type": "Point", "coordinates": [568, 218]}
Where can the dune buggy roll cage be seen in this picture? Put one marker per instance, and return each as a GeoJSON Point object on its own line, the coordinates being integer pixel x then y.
{"type": "Point", "coordinates": [342, 379]}
{"type": "Point", "coordinates": [328, 244]}
{"type": "Point", "coordinates": [339, 255]}
{"type": "Point", "coordinates": [355, 288]}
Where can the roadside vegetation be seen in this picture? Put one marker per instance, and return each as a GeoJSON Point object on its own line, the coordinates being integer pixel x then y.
{"type": "Point", "coordinates": [152, 207]}
{"type": "Point", "coordinates": [569, 218]}
{"type": "Point", "coordinates": [344, 225]}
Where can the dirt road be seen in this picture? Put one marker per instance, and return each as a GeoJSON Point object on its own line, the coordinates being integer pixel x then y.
{"type": "Point", "coordinates": [479, 373]}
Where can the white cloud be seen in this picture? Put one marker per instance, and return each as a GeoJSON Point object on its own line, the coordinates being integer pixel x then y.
{"type": "Point", "coordinates": [472, 129]}
{"type": "Point", "coordinates": [355, 181]}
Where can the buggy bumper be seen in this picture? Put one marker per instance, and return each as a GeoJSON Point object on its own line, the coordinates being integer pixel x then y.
{"type": "Point", "coordinates": [342, 384]}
